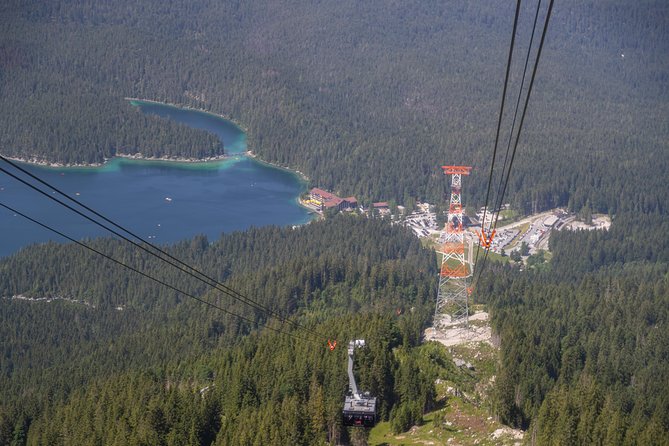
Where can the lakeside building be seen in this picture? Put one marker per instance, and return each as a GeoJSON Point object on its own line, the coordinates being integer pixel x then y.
{"type": "Point", "coordinates": [322, 200]}
{"type": "Point", "coordinates": [351, 203]}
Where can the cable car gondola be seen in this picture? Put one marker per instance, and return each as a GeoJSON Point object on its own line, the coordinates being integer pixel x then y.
{"type": "Point", "coordinates": [359, 408]}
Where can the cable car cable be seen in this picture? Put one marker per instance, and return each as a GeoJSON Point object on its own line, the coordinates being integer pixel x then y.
{"type": "Point", "coordinates": [214, 283]}
{"type": "Point", "coordinates": [527, 101]}
{"type": "Point", "coordinates": [499, 120]}
{"type": "Point", "coordinates": [497, 204]}
{"type": "Point", "coordinates": [113, 231]}
{"type": "Point", "coordinates": [161, 282]}
{"type": "Point", "coordinates": [522, 119]}
{"type": "Point", "coordinates": [193, 271]}
{"type": "Point", "coordinates": [501, 108]}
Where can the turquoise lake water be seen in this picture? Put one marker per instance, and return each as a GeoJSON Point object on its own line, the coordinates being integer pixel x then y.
{"type": "Point", "coordinates": [161, 201]}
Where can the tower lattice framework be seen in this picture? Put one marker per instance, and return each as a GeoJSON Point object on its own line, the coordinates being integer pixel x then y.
{"type": "Point", "coordinates": [453, 294]}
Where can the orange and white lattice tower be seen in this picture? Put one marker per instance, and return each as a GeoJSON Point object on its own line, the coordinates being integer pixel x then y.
{"type": "Point", "coordinates": [456, 262]}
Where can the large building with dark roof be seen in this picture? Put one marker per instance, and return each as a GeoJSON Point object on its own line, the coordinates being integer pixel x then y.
{"type": "Point", "coordinates": [322, 200]}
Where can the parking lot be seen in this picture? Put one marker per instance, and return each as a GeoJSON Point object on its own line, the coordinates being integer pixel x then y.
{"type": "Point", "coordinates": [533, 230]}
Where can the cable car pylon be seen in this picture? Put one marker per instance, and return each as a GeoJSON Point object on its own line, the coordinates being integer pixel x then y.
{"type": "Point", "coordinates": [456, 262]}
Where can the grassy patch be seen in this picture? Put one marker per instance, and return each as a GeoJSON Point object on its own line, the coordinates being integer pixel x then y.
{"type": "Point", "coordinates": [430, 242]}
{"type": "Point", "coordinates": [459, 422]}
{"type": "Point", "coordinates": [508, 216]}
{"type": "Point", "coordinates": [492, 256]}
{"type": "Point", "coordinates": [463, 414]}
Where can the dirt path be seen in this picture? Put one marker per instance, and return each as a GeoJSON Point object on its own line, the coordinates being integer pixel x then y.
{"type": "Point", "coordinates": [451, 333]}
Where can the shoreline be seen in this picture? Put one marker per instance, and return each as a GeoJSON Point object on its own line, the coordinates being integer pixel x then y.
{"type": "Point", "coordinates": [139, 157]}
{"type": "Point", "coordinates": [35, 161]}
{"type": "Point", "coordinates": [136, 157]}
{"type": "Point", "coordinates": [302, 176]}
{"type": "Point", "coordinates": [42, 162]}
{"type": "Point", "coordinates": [187, 107]}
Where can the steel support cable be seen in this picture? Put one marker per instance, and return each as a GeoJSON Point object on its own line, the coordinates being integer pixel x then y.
{"type": "Point", "coordinates": [499, 120]}
{"type": "Point", "coordinates": [522, 118]}
{"type": "Point", "coordinates": [501, 108]}
{"type": "Point", "coordinates": [527, 101]}
{"type": "Point", "coordinates": [115, 232]}
{"type": "Point", "coordinates": [213, 282]}
{"type": "Point", "coordinates": [497, 203]}
{"type": "Point", "coordinates": [191, 271]}
{"type": "Point", "coordinates": [148, 276]}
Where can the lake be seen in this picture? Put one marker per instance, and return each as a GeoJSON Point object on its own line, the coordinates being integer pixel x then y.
{"type": "Point", "coordinates": [161, 201]}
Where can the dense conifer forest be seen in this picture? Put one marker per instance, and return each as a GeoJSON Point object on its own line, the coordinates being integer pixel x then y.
{"type": "Point", "coordinates": [131, 355]}
{"type": "Point", "coordinates": [583, 356]}
{"type": "Point", "coordinates": [585, 344]}
{"type": "Point", "coordinates": [365, 98]}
